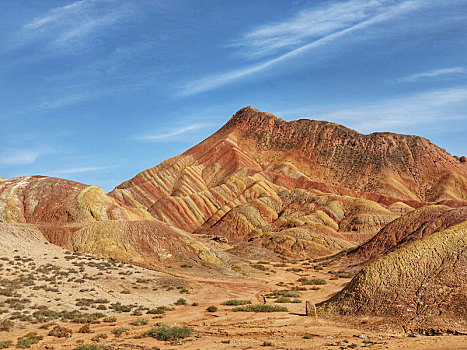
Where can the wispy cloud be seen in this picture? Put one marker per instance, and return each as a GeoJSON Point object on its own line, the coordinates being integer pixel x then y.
{"type": "Point", "coordinates": [307, 25]}
{"type": "Point", "coordinates": [19, 157]}
{"type": "Point", "coordinates": [80, 170]}
{"type": "Point", "coordinates": [71, 23]}
{"type": "Point", "coordinates": [459, 71]}
{"type": "Point", "coordinates": [170, 134]}
{"type": "Point", "coordinates": [398, 114]}
{"type": "Point", "coordinates": [344, 27]}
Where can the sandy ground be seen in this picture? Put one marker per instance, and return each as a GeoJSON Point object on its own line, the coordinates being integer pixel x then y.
{"type": "Point", "coordinates": [56, 280]}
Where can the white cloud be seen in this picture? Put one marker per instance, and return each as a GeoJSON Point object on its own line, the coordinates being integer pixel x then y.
{"type": "Point", "coordinates": [308, 25]}
{"type": "Point", "coordinates": [71, 23]}
{"type": "Point", "coordinates": [398, 114]}
{"type": "Point", "coordinates": [19, 157]}
{"type": "Point", "coordinates": [214, 81]}
{"type": "Point", "coordinates": [170, 134]}
{"type": "Point", "coordinates": [435, 73]}
{"type": "Point", "coordinates": [80, 170]}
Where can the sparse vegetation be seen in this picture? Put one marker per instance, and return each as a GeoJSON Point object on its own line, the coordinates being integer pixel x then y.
{"type": "Point", "coordinates": [119, 331]}
{"type": "Point", "coordinates": [88, 347]}
{"type": "Point", "coordinates": [4, 344]}
{"type": "Point", "coordinates": [60, 332]}
{"type": "Point", "coordinates": [139, 322]}
{"type": "Point", "coordinates": [212, 308]}
{"type": "Point", "coordinates": [236, 302]}
{"type": "Point", "coordinates": [260, 308]}
{"type": "Point", "coordinates": [180, 301]}
{"type": "Point", "coordinates": [27, 340]}
{"type": "Point", "coordinates": [313, 281]}
{"type": "Point", "coordinates": [165, 332]}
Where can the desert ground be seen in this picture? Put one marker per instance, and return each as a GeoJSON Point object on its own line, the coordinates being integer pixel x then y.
{"type": "Point", "coordinates": [121, 302]}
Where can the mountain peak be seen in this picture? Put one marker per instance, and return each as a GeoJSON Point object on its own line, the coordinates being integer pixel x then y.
{"type": "Point", "coordinates": [252, 117]}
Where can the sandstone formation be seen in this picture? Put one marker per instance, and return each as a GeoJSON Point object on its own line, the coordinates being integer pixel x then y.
{"type": "Point", "coordinates": [422, 285]}
{"type": "Point", "coordinates": [303, 187]}
{"type": "Point", "coordinates": [83, 218]}
{"type": "Point", "coordinates": [408, 228]}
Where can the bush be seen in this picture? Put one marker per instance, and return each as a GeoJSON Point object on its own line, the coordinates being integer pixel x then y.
{"type": "Point", "coordinates": [119, 331]}
{"type": "Point", "coordinates": [157, 311]}
{"type": "Point", "coordinates": [88, 347]}
{"type": "Point", "coordinates": [318, 267]}
{"type": "Point", "coordinates": [313, 281]}
{"type": "Point", "coordinates": [5, 344]}
{"type": "Point", "coordinates": [307, 336]}
{"type": "Point", "coordinates": [236, 302]}
{"type": "Point", "coordinates": [27, 340]}
{"type": "Point", "coordinates": [110, 319]}
{"type": "Point", "coordinates": [259, 267]}
{"type": "Point", "coordinates": [212, 308]}
{"type": "Point", "coordinates": [180, 301]}
{"type": "Point", "coordinates": [284, 293]}
{"type": "Point", "coordinates": [260, 308]}
{"type": "Point", "coordinates": [166, 332]}
{"type": "Point", "coordinates": [6, 326]}
{"type": "Point", "coordinates": [85, 329]}
{"type": "Point", "coordinates": [60, 332]}
{"type": "Point", "coordinates": [283, 300]}
{"type": "Point", "coordinates": [186, 266]}
{"type": "Point", "coordinates": [139, 322]}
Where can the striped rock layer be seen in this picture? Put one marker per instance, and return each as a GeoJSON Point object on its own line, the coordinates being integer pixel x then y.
{"type": "Point", "coordinates": [84, 218]}
{"type": "Point", "coordinates": [304, 187]}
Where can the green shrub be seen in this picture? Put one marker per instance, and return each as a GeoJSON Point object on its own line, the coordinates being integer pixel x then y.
{"type": "Point", "coordinates": [5, 344]}
{"type": "Point", "coordinates": [283, 300]}
{"type": "Point", "coordinates": [294, 269]}
{"type": "Point", "coordinates": [180, 301]}
{"type": "Point", "coordinates": [236, 302]}
{"type": "Point", "coordinates": [317, 267]}
{"type": "Point", "coordinates": [88, 347]}
{"type": "Point", "coordinates": [260, 308]}
{"type": "Point", "coordinates": [157, 311]}
{"type": "Point", "coordinates": [307, 336]}
{"type": "Point", "coordinates": [166, 332]}
{"type": "Point", "coordinates": [85, 329]}
{"type": "Point", "coordinates": [186, 266]}
{"type": "Point", "coordinates": [119, 331]}
{"type": "Point", "coordinates": [60, 332]}
{"type": "Point", "coordinates": [283, 293]}
{"type": "Point", "coordinates": [313, 281]}
{"type": "Point", "coordinates": [259, 267]}
{"type": "Point", "coordinates": [212, 308]}
{"type": "Point", "coordinates": [139, 322]}
{"type": "Point", "coordinates": [27, 340]}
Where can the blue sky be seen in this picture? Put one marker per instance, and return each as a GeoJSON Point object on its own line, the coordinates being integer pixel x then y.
{"type": "Point", "coordinates": [99, 90]}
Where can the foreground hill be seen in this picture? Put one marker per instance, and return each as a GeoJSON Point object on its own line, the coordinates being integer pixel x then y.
{"type": "Point", "coordinates": [296, 187]}
{"type": "Point", "coordinates": [83, 218]}
{"type": "Point", "coordinates": [422, 285]}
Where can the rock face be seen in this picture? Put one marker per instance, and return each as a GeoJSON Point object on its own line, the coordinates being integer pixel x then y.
{"type": "Point", "coordinates": [83, 218]}
{"type": "Point", "coordinates": [422, 285]}
{"type": "Point", "coordinates": [408, 228]}
{"type": "Point", "coordinates": [294, 187]}
{"type": "Point", "coordinates": [48, 200]}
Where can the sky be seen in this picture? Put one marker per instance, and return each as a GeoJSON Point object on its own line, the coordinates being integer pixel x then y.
{"type": "Point", "coordinates": [98, 90]}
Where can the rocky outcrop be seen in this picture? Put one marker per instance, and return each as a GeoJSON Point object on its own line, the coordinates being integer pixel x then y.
{"type": "Point", "coordinates": [421, 285]}
{"type": "Point", "coordinates": [408, 228]}
{"type": "Point", "coordinates": [48, 200]}
{"type": "Point", "coordinates": [262, 178]}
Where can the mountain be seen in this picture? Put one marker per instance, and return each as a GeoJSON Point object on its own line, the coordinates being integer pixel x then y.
{"type": "Point", "coordinates": [303, 187]}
